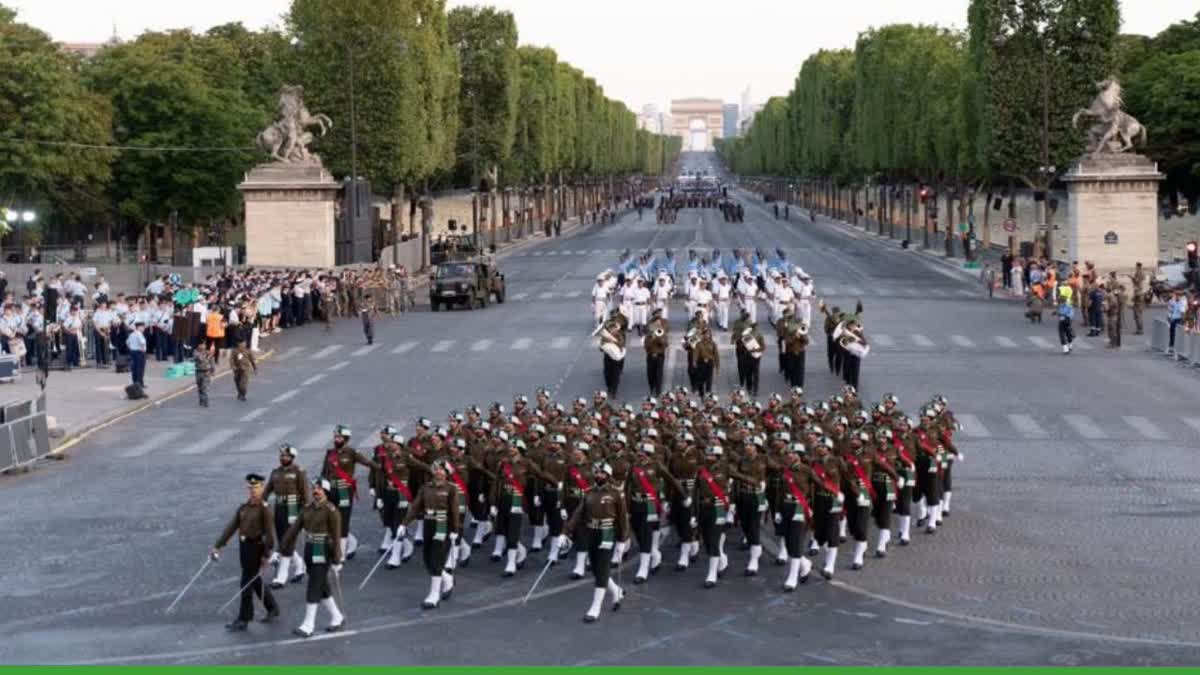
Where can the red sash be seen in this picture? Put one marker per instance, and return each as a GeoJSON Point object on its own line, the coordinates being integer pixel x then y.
{"type": "Point", "coordinates": [400, 485]}
{"type": "Point", "coordinates": [795, 490]}
{"type": "Point", "coordinates": [947, 437]}
{"type": "Point", "coordinates": [342, 475]}
{"type": "Point", "coordinates": [826, 482]}
{"type": "Point", "coordinates": [884, 462]}
{"type": "Point", "coordinates": [713, 487]}
{"type": "Point", "coordinates": [648, 488]}
{"type": "Point", "coordinates": [862, 476]}
{"type": "Point", "coordinates": [512, 482]}
{"type": "Point", "coordinates": [584, 486]}
{"type": "Point", "coordinates": [462, 487]}
{"type": "Point", "coordinates": [926, 445]}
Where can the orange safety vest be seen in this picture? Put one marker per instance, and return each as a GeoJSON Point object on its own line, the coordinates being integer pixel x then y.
{"type": "Point", "coordinates": [216, 325]}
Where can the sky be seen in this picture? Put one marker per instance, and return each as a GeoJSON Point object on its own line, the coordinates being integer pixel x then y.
{"type": "Point", "coordinates": [640, 51]}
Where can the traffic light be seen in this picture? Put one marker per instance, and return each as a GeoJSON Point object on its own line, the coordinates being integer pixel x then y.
{"type": "Point", "coordinates": [924, 193]}
{"type": "Point", "coordinates": [1193, 256]}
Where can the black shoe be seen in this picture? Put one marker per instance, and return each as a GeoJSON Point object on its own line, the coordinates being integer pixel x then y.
{"type": "Point", "coordinates": [446, 594]}
{"type": "Point", "coordinates": [880, 554]}
{"type": "Point", "coordinates": [827, 575]}
{"type": "Point", "coordinates": [841, 540]}
{"type": "Point", "coordinates": [475, 546]}
{"type": "Point", "coordinates": [575, 576]}
{"type": "Point", "coordinates": [236, 626]}
{"type": "Point", "coordinates": [680, 568]}
{"type": "Point", "coordinates": [750, 573]}
{"type": "Point", "coordinates": [788, 589]}
{"type": "Point", "coordinates": [588, 618]}
{"type": "Point", "coordinates": [521, 565]}
{"type": "Point", "coordinates": [804, 579]}
{"type": "Point", "coordinates": [709, 584]}
{"type": "Point", "coordinates": [336, 629]}
{"type": "Point", "coordinates": [780, 562]}
{"type": "Point", "coordinates": [406, 558]}
{"type": "Point", "coordinates": [464, 563]}
{"type": "Point", "coordinates": [945, 514]}
{"type": "Point", "coordinates": [904, 542]}
{"type": "Point", "coordinates": [350, 556]}
{"type": "Point", "coordinates": [856, 566]}
{"type": "Point", "coordinates": [921, 521]}
{"type": "Point", "coordinates": [496, 558]}
{"type": "Point", "coordinates": [297, 579]}
{"type": "Point", "coordinates": [429, 605]}
{"type": "Point", "coordinates": [535, 549]}
{"type": "Point", "coordinates": [930, 530]}
{"type": "Point", "coordinates": [508, 574]}
{"type": "Point", "coordinates": [275, 585]}
{"type": "Point", "coordinates": [390, 566]}
{"type": "Point", "coordinates": [813, 551]}
{"type": "Point", "coordinates": [272, 614]}
{"type": "Point", "coordinates": [639, 580]}
{"type": "Point", "coordinates": [301, 633]}
{"type": "Point", "coordinates": [418, 542]}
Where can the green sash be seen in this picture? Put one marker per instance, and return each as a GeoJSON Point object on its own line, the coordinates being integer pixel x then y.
{"type": "Point", "coordinates": [292, 503]}
{"type": "Point", "coordinates": [837, 503]}
{"type": "Point", "coordinates": [762, 501]}
{"type": "Point", "coordinates": [439, 519]}
{"type": "Point", "coordinates": [607, 534]}
{"type": "Point", "coordinates": [319, 549]}
{"type": "Point", "coordinates": [515, 502]}
{"type": "Point", "coordinates": [343, 495]}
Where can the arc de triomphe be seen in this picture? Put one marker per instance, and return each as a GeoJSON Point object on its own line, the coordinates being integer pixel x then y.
{"type": "Point", "coordinates": [698, 121]}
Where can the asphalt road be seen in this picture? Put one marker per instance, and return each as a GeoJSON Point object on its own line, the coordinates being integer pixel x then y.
{"type": "Point", "coordinates": [1072, 539]}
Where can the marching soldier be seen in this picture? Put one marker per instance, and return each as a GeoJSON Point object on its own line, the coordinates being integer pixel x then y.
{"type": "Point", "coordinates": [684, 463]}
{"type": "Point", "coordinates": [735, 338]}
{"type": "Point", "coordinates": [603, 515]}
{"type": "Point", "coordinates": [243, 361]}
{"type": "Point", "coordinates": [795, 346]}
{"type": "Point", "coordinates": [575, 489]}
{"type": "Point", "coordinates": [203, 363]}
{"type": "Point", "coordinates": [795, 513]}
{"type": "Point", "coordinates": [392, 495]}
{"type": "Point", "coordinates": [828, 502]}
{"type": "Point", "coordinates": [509, 504]}
{"type": "Point", "coordinates": [322, 525]}
{"type": "Point", "coordinates": [833, 350]}
{"type": "Point", "coordinates": [437, 504]}
{"type": "Point", "coordinates": [715, 511]}
{"type": "Point", "coordinates": [750, 481]}
{"type": "Point", "coordinates": [754, 345]}
{"type": "Point", "coordinates": [707, 361]}
{"type": "Point", "coordinates": [656, 344]}
{"type": "Point", "coordinates": [289, 484]}
{"type": "Point", "coordinates": [929, 473]}
{"type": "Point", "coordinates": [339, 470]}
{"type": "Point", "coordinates": [612, 344]}
{"type": "Point", "coordinates": [646, 508]}
{"type": "Point", "coordinates": [256, 538]}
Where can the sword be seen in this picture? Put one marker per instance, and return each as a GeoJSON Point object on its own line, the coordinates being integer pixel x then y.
{"type": "Point", "coordinates": [337, 587]}
{"type": "Point", "coordinates": [545, 569]}
{"type": "Point", "coordinates": [171, 607]}
{"type": "Point", "coordinates": [383, 557]}
{"type": "Point", "coordinates": [240, 591]}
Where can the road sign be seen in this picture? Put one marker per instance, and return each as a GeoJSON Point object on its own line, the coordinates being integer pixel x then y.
{"type": "Point", "coordinates": [1111, 238]}
{"type": "Point", "coordinates": [1010, 225]}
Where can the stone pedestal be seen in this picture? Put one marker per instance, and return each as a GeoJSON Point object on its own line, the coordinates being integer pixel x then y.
{"type": "Point", "coordinates": [1114, 211]}
{"type": "Point", "coordinates": [290, 215]}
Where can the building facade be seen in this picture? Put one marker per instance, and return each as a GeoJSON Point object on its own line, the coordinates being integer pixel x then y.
{"type": "Point", "coordinates": [698, 121]}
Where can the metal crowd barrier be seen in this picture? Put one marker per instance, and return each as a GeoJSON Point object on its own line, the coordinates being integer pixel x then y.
{"type": "Point", "coordinates": [1159, 336]}
{"type": "Point", "coordinates": [24, 435]}
{"type": "Point", "coordinates": [1187, 345]}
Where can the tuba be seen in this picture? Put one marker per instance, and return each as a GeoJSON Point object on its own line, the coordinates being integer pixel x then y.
{"type": "Point", "coordinates": [854, 340]}
{"type": "Point", "coordinates": [610, 346]}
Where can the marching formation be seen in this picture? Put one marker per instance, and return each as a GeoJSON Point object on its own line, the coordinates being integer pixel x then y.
{"type": "Point", "coordinates": [594, 480]}
{"type": "Point", "coordinates": [638, 298]}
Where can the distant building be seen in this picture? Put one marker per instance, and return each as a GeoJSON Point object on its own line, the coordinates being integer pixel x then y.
{"type": "Point", "coordinates": [730, 127]}
{"type": "Point", "coordinates": [87, 50]}
{"type": "Point", "coordinates": [651, 119]}
{"type": "Point", "coordinates": [698, 121]}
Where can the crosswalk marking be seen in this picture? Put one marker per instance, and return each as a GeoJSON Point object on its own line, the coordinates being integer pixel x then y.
{"type": "Point", "coordinates": [482, 345]}
{"type": "Point", "coordinates": [962, 341]}
{"type": "Point", "coordinates": [290, 352]}
{"type": "Point", "coordinates": [520, 296]}
{"type": "Point", "coordinates": [328, 351]}
{"type": "Point", "coordinates": [1082, 345]}
{"type": "Point", "coordinates": [443, 346]}
{"type": "Point", "coordinates": [522, 344]}
{"type": "Point", "coordinates": [263, 439]}
{"type": "Point", "coordinates": [1084, 426]}
{"type": "Point", "coordinates": [853, 290]}
{"type": "Point", "coordinates": [536, 253]}
{"type": "Point", "coordinates": [574, 294]}
{"type": "Point", "coordinates": [941, 292]}
{"type": "Point", "coordinates": [1042, 342]}
{"type": "Point", "coordinates": [210, 441]}
{"type": "Point", "coordinates": [883, 340]}
{"type": "Point", "coordinates": [363, 351]}
{"type": "Point", "coordinates": [338, 366]}
{"type": "Point", "coordinates": [253, 415]}
{"type": "Point", "coordinates": [545, 296]}
{"type": "Point", "coordinates": [965, 293]}
{"type": "Point", "coordinates": [317, 440]}
{"type": "Point", "coordinates": [285, 396]}
{"type": "Point", "coordinates": [1146, 428]}
{"type": "Point", "coordinates": [972, 426]}
{"type": "Point", "coordinates": [1026, 425]}
{"type": "Point", "coordinates": [1006, 342]}
{"type": "Point", "coordinates": [1193, 422]}
{"type": "Point", "coordinates": [313, 380]}
{"type": "Point", "coordinates": [151, 444]}
{"type": "Point", "coordinates": [404, 347]}
{"type": "Point", "coordinates": [560, 343]}
{"type": "Point", "coordinates": [922, 341]}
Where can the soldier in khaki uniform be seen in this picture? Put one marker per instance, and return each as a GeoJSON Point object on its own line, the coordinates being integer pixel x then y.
{"type": "Point", "coordinates": [656, 343]}
{"type": "Point", "coordinates": [322, 525]}
{"type": "Point", "coordinates": [243, 362]}
{"type": "Point", "coordinates": [1114, 306]}
{"type": "Point", "coordinates": [438, 505]}
{"type": "Point", "coordinates": [289, 484]}
{"type": "Point", "coordinates": [338, 468]}
{"type": "Point", "coordinates": [707, 361]}
{"type": "Point", "coordinates": [603, 515]}
{"type": "Point", "coordinates": [253, 523]}
{"type": "Point", "coordinates": [1139, 298]}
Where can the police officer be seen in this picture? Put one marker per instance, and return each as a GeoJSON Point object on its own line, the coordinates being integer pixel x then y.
{"type": "Point", "coordinates": [256, 538]}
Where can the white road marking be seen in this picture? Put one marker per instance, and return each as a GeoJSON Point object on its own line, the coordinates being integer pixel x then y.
{"type": "Point", "coordinates": [443, 346]}
{"type": "Point", "coordinates": [337, 366]}
{"type": "Point", "coordinates": [1082, 345]}
{"type": "Point", "coordinates": [521, 344]}
{"type": "Point", "coordinates": [853, 290]}
{"type": "Point", "coordinates": [545, 296]}
{"type": "Point", "coordinates": [363, 351]}
{"type": "Point", "coordinates": [286, 396]}
{"type": "Point", "coordinates": [290, 352]}
{"type": "Point", "coordinates": [922, 341]}
{"type": "Point", "coordinates": [882, 340]}
{"type": "Point", "coordinates": [941, 292]}
{"type": "Point", "coordinates": [536, 253]}
{"type": "Point", "coordinates": [1146, 428]}
{"type": "Point", "coordinates": [520, 296]}
{"type": "Point", "coordinates": [210, 441]}
{"type": "Point", "coordinates": [318, 440]}
{"type": "Point", "coordinates": [482, 345]}
{"type": "Point", "coordinates": [265, 439]}
{"type": "Point", "coordinates": [254, 414]}
{"type": "Point", "coordinates": [405, 347]}
{"type": "Point", "coordinates": [328, 351]}
{"type": "Point", "coordinates": [962, 341]}
{"type": "Point", "coordinates": [560, 343]}
{"type": "Point", "coordinates": [151, 444]}
{"type": "Point", "coordinates": [965, 293]}
{"type": "Point", "coordinates": [1084, 426]}
{"type": "Point", "coordinates": [1042, 342]}
{"type": "Point", "coordinates": [1005, 342]}
{"type": "Point", "coordinates": [1027, 426]}
{"type": "Point", "coordinates": [574, 294]}
{"type": "Point", "coordinates": [313, 380]}
{"type": "Point", "coordinates": [972, 426]}
{"type": "Point", "coordinates": [1193, 422]}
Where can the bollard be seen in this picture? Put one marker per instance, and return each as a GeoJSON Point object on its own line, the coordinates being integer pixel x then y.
{"type": "Point", "coordinates": [1193, 356]}
{"type": "Point", "coordinates": [1159, 335]}
{"type": "Point", "coordinates": [1183, 344]}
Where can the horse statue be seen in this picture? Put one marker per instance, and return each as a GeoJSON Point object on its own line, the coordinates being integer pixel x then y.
{"type": "Point", "coordinates": [287, 140]}
{"type": "Point", "coordinates": [1115, 131]}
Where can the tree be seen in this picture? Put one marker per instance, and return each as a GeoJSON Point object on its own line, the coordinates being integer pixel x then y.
{"type": "Point", "coordinates": [535, 150]}
{"type": "Point", "coordinates": [486, 42]}
{"type": "Point", "coordinates": [166, 92]}
{"type": "Point", "coordinates": [1161, 94]}
{"type": "Point", "coordinates": [43, 103]}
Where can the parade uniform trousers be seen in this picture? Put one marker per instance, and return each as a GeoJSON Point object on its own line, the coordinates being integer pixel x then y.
{"type": "Point", "coordinates": [251, 553]}
{"type": "Point", "coordinates": [654, 372]}
{"type": "Point", "coordinates": [794, 364]}
{"type": "Point", "coordinates": [612, 374]}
